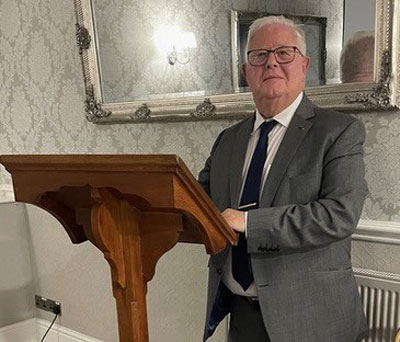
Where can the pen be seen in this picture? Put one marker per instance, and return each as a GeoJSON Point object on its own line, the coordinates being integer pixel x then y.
{"type": "Point", "coordinates": [247, 205]}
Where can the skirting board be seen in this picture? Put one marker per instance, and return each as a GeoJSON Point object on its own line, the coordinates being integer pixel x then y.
{"type": "Point", "coordinates": [32, 330]}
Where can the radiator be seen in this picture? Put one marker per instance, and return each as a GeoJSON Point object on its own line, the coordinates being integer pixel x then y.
{"type": "Point", "coordinates": [380, 294]}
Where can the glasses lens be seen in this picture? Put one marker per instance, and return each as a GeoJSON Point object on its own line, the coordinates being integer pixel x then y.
{"type": "Point", "coordinates": [285, 54]}
{"type": "Point", "coordinates": [258, 57]}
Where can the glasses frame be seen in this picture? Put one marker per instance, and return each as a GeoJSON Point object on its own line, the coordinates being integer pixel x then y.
{"type": "Point", "coordinates": [295, 49]}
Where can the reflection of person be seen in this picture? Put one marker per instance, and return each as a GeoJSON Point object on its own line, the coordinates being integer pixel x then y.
{"type": "Point", "coordinates": [301, 190]}
{"type": "Point", "coordinates": [357, 58]}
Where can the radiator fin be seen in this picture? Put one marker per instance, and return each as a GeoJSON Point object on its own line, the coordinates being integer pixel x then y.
{"type": "Point", "coordinates": [381, 308]}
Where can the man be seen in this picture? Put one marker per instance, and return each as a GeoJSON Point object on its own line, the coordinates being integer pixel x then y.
{"type": "Point", "coordinates": [294, 189]}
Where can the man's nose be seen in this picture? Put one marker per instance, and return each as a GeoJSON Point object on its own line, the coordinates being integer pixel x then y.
{"type": "Point", "coordinates": [271, 61]}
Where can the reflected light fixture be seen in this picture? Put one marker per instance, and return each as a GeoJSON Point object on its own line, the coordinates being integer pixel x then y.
{"type": "Point", "coordinates": [175, 45]}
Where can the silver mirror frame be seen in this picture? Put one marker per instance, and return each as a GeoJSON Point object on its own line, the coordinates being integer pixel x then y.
{"type": "Point", "coordinates": [384, 94]}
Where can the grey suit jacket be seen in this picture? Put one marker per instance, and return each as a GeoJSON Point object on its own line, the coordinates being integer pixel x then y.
{"type": "Point", "coordinates": [299, 237]}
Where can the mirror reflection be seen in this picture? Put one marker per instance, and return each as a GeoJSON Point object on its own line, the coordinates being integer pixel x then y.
{"type": "Point", "coordinates": [160, 49]}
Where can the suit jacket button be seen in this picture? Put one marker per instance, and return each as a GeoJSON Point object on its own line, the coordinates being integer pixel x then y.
{"type": "Point", "coordinates": [219, 271]}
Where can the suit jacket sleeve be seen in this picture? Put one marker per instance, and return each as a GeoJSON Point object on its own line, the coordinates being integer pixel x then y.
{"type": "Point", "coordinates": [331, 217]}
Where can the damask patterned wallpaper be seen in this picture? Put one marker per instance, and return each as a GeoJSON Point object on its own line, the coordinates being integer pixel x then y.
{"type": "Point", "coordinates": [41, 111]}
{"type": "Point", "coordinates": [41, 107]}
{"type": "Point", "coordinates": [133, 68]}
{"type": "Point", "coordinates": [382, 158]}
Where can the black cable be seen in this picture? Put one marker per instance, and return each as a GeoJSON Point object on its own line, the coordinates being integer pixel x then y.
{"type": "Point", "coordinates": [55, 317]}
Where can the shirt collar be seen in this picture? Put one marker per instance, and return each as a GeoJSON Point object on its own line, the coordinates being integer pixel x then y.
{"type": "Point", "coordinates": [284, 117]}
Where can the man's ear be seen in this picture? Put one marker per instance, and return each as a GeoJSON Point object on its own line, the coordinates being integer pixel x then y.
{"type": "Point", "coordinates": [244, 65]}
{"type": "Point", "coordinates": [306, 63]}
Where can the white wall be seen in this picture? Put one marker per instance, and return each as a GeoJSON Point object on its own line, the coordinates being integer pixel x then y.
{"type": "Point", "coordinates": [16, 279]}
{"type": "Point", "coordinates": [79, 277]}
{"type": "Point", "coordinates": [76, 275]}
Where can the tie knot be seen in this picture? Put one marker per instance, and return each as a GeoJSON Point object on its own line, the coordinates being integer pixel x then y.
{"type": "Point", "coordinates": [266, 127]}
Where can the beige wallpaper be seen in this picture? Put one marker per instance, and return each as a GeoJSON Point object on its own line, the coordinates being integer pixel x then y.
{"type": "Point", "coordinates": [41, 111]}
{"type": "Point", "coordinates": [382, 158]}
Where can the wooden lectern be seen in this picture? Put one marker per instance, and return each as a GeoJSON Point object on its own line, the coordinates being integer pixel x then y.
{"type": "Point", "coordinates": [134, 208]}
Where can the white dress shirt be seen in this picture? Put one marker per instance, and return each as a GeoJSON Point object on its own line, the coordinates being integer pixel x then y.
{"type": "Point", "coordinates": [275, 138]}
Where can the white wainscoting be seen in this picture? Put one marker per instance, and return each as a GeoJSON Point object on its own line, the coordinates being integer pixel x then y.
{"type": "Point", "coordinates": [378, 232]}
{"type": "Point", "coordinates": [33, 330]}
{"type": "Point", "coordinates": [367, 230]}
{"type": "Point", "coordinates": [6, 193]}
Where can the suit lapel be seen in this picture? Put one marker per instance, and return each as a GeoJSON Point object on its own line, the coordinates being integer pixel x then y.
{"type": "Point", "coordinates": [295, 133]}
{"type": "Point", "coordinates": [237, 159]}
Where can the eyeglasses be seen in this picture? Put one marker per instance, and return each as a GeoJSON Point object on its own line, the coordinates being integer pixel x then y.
{"type": "Point", "coordinates": [283, 55]}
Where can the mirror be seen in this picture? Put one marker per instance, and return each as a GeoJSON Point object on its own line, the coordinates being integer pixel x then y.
{"type": "Point", "coordinates": [185, 64]}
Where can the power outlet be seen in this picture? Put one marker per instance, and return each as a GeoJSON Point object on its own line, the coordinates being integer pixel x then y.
{"type": "Point", "coordinates": [44, 303]}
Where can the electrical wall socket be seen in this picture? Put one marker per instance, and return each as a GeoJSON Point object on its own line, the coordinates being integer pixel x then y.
{"type": "Point", "coordinates": [44, 303]}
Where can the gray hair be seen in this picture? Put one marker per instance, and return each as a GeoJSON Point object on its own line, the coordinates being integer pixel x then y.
{"type": "Point", "coordinates": [357, 58]}
{"type": "Point", "coordinates": [270, 20]}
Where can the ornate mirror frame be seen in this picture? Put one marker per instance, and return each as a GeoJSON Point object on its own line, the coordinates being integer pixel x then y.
{"type": "Point", "coordinates": [384, 94]}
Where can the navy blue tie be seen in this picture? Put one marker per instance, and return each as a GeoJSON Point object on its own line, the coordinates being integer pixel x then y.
{"type": "Point", "coordinates": [241, 263]}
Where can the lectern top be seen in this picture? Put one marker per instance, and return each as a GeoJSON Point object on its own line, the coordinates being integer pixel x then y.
{"type": "Point", "coordinates": [93, 162]}
{"type": "Point", "coordinates": [67, 185]}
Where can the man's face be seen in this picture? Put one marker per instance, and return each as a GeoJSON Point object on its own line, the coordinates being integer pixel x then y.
{"type": "Point", "coordinates": [274, 81]}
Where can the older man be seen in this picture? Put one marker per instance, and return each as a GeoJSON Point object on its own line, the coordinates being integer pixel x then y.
{"type": "Point", "coordinates": [290, 180]}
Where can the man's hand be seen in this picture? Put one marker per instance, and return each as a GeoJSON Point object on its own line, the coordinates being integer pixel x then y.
{"type": "Point", "coordinates": [235, 219]}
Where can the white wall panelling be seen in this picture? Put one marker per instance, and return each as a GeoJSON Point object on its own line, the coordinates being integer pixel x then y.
{"type": "Point", "coordinates": [378, 232]}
